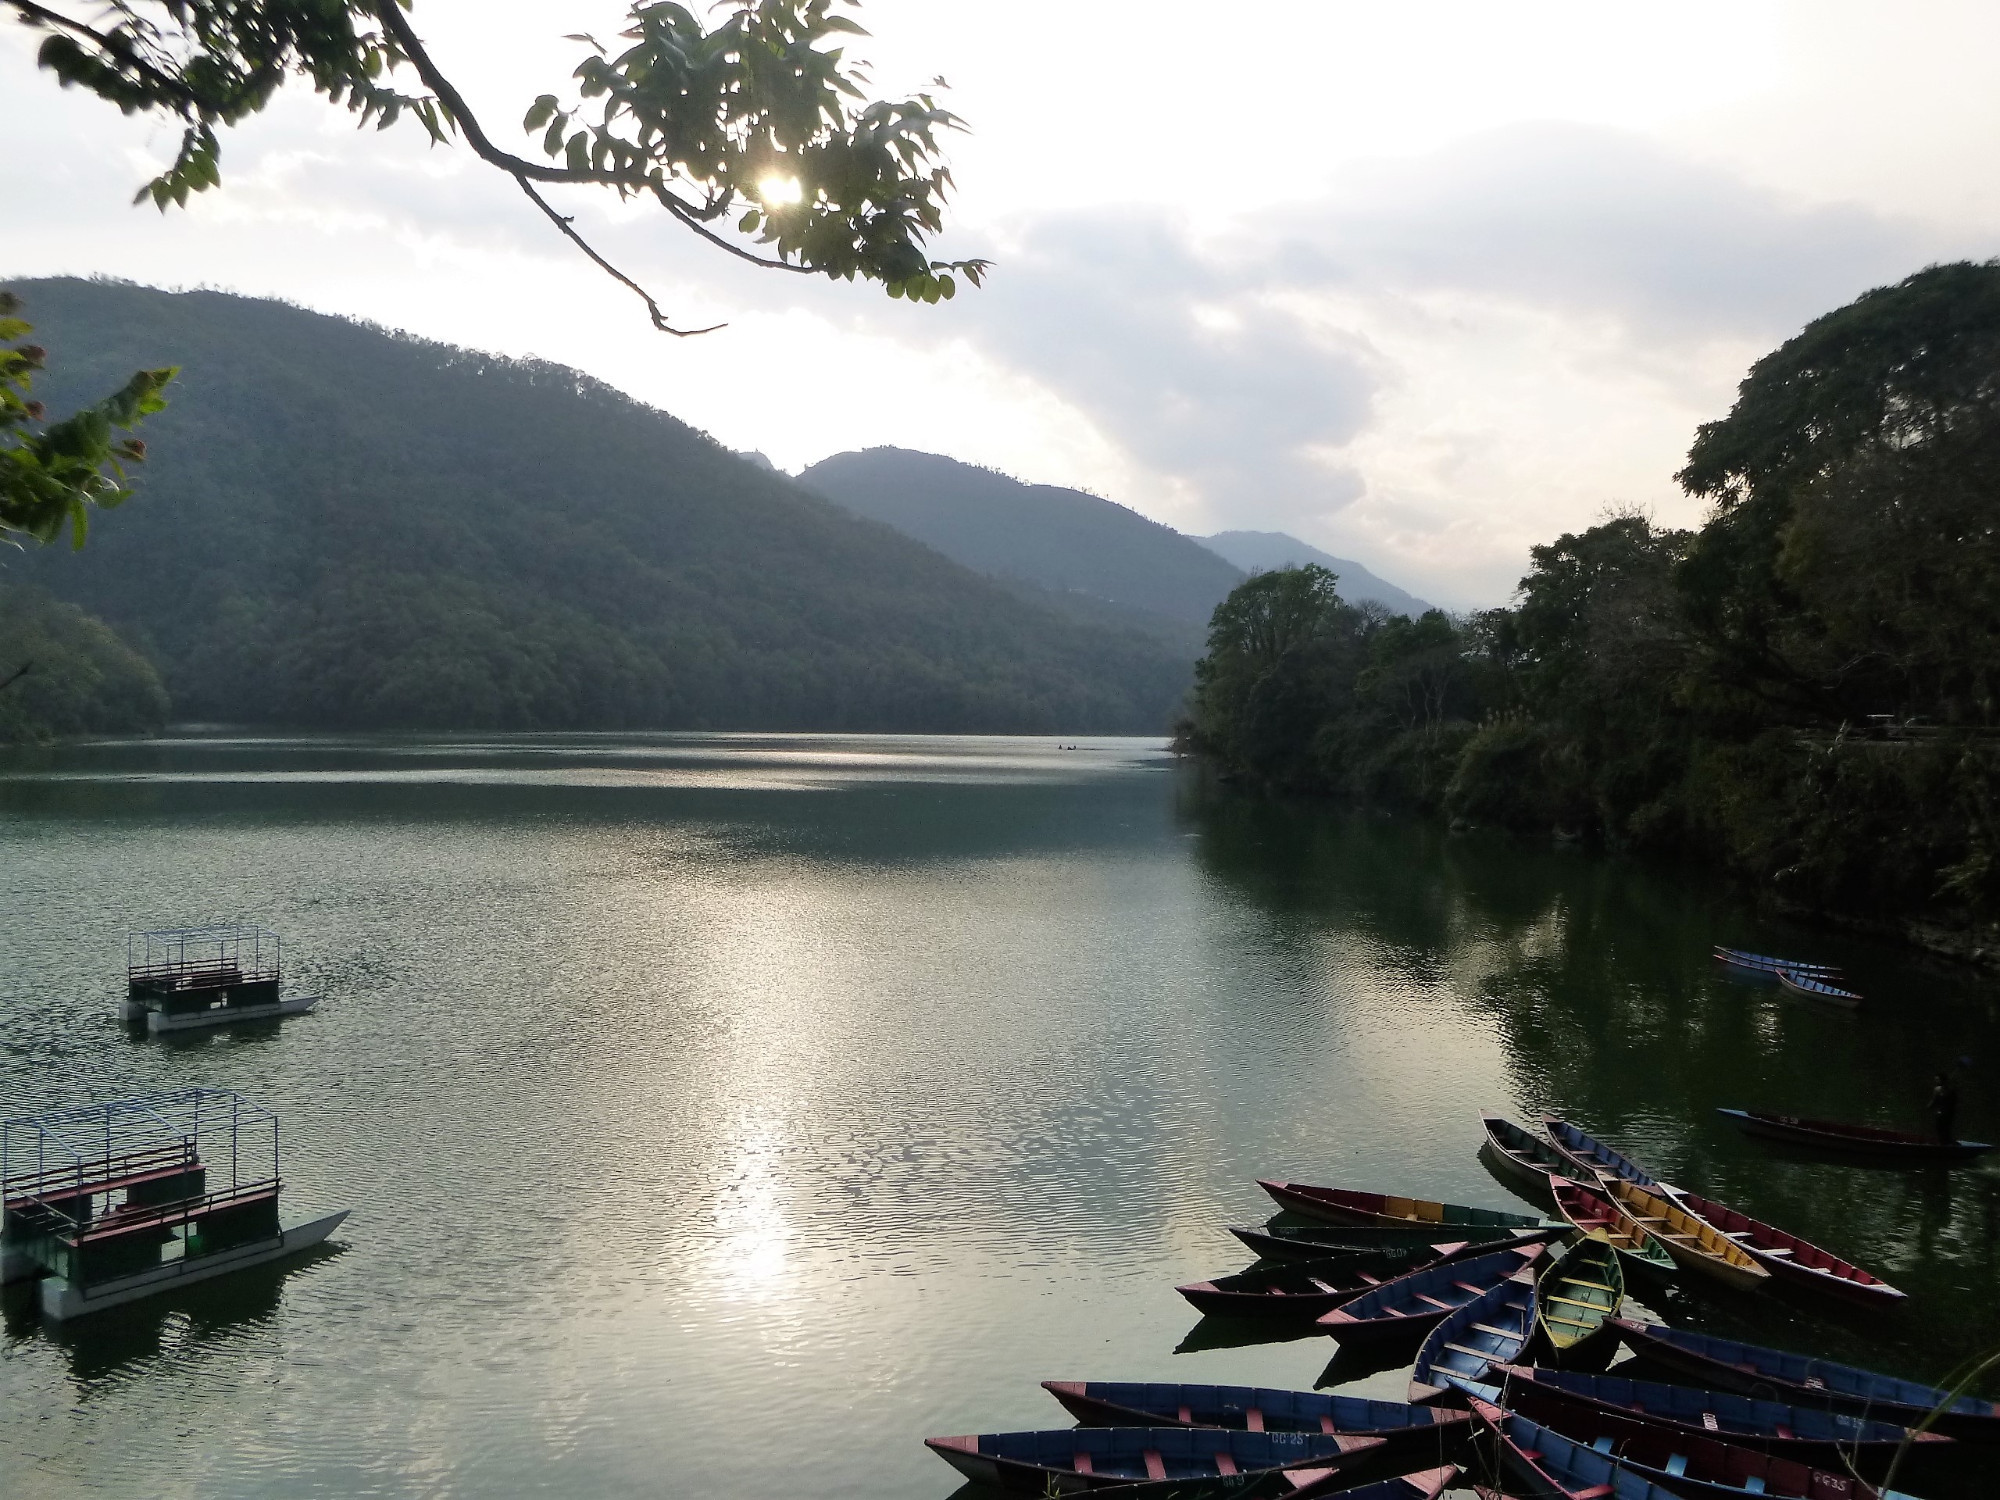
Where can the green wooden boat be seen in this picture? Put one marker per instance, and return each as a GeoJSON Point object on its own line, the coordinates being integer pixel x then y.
{"type": "Point", "coordinates": [1575, 1294]}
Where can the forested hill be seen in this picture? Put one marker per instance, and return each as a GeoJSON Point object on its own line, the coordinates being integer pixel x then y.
{"type": "Point", "coordinates": [343, 527]}
{"type": "Point", "coordinates": [1063, 541]}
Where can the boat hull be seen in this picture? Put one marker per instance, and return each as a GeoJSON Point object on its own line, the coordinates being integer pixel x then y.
{"type": "Point", "coordinates": [1694, 1244]}
{"type": "Point", "coordinates": [63, 1301]}
{"type": "Point", "coordinates": [1887, 1147]}
{"type": "Point", "coordinates": [158, 1021]}
{"type": "Point", "coordinates": [1794, 1262]}
{"type": "Point", "coordinates": [1338, 1206]}
{"type": "Point", "coordinates": [1420, 1432]}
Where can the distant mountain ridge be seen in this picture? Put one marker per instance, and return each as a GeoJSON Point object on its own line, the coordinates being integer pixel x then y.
{"type": "Point", "coordinates": [340, 527]}
{"type": "Point", "coordinates": [1062, 542]}
{"type": "Point", "coordinates": [1261, 551]}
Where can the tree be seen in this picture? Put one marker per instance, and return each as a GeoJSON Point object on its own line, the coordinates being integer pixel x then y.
{"type": "Point", "coordinates": [759, 119]}
{"type": "Point", "coordinates": [52, 473]}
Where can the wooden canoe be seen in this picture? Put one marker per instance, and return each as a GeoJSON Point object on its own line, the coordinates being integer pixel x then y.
{"type": "Point", "coordinates": [1812, 987]}
{"type": "Point", "coordinates": [1298, 1292]}
{"type": "Point", "coordinates": [1767, 967]}
{"type": "Point", "coordinates": [1492, 1329]}
{"type": "Point", "coordinates": [1404, 1310]}
{"type": "Point", "coordinates": [1598, 1218]}
{"type": "Point", "coordinates": [1316, 1241]}
{"type": "Point", "coordinates": [1794, 1261]}
{"type": "Point", "coordinates": [1346, 1206]}
{"type": "Point", "coordinates": [1523, 1157]}
{"type": "Point", "coordinates": [1871, 1141]}
{"type": "Point", "coordinates": [1694, 1244]}
{"type": "Point", "coordinates": [1817, 1438]}
{"type": "Point", "coordinates": [1424, 1432]}
{"type": "Point", "coordinates": [1579, 1289]}
{"type": "Point", "coordinates": [1152, 1461]}
{"type": "Point", "coordinates": [1805, 1381]}
{"type": "Point", "coordinates": [1592, 1157]}
{"type": "Point", "coordinates": [1552, 1467]}
{"type": "Point", "coordinates": [1677, 1463]}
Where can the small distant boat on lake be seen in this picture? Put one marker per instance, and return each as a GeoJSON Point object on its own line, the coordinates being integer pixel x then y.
{"type": "Point", "coordinates": [1889, 1147]}
{"type": "Point", "coordinates": [1142, 1462]}
{"type": "Point", "coordinates": [1404, 1310]}
{"type": "Point", "coordinates": [1425, 1431]}
{"type": "Point", "coordinates": [1806, 1381]}
{"type": "Point", "coordinates": [181, 978]}
{"type": "Point", "coordinates": [1298, 1292]}
{"type": "Point", "coordinates": [116, 1202]}
{"type": "Point", "coordinates": [1792, 1260]}
{"type": "Point", "coordinates": [1763, 966]}
{"type": "Point", "coordinates": [1344, 1205]}
{"type": "Point", "coordinates": [1816, 987]}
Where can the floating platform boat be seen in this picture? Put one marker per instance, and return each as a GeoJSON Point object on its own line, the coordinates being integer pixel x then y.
{"type": "Point", "coordinates": [1886, 1147]}
{"type": "Point", "coordinates": [116, 1202]}
{"type": "Point", "coordinates": [1347, 1206]}
{"type": "Point", "coordinates": [181, 978]}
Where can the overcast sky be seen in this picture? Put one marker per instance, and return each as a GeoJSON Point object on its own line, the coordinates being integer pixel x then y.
{"type": "Point", "coordinates": [1423, 284]}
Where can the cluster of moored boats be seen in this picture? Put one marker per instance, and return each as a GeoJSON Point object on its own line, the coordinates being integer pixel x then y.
{"type": "Point", "coordinates": [1513, 1321]}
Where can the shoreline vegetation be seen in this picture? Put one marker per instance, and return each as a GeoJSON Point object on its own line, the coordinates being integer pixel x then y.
{"type": "Point", "coordinates": [1803, 692]}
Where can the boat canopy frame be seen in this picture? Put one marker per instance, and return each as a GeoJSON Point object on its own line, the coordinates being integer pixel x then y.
{"type": "Point", "coordinates": [228, 953]}
{"type": "Point", "coordinates": [53, 1165]}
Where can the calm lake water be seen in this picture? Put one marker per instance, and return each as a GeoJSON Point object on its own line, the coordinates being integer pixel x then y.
{"type": "Point", "coordinates": [722, 1114]}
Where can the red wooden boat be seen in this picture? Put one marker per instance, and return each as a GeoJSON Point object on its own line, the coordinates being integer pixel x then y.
{"type": "Point", "coordinates": [1870, 1141]}
{"type": "Point", "coordinates": [1795, 1261]}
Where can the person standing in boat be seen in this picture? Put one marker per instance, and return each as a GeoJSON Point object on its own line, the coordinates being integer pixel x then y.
{"type": "Point", "coordinates": [1944, 1108]}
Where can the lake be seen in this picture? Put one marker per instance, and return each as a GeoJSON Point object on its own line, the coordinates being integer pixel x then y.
{"type": "Point", "coordinates": [722, 1114]}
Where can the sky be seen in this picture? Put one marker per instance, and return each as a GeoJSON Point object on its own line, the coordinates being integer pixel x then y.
{"type": "Point", "coordinates": [1422, 284]}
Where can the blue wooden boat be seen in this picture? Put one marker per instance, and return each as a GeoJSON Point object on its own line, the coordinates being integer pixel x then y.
{"type": "Point", "coordinates": [1316, 1241]}
{"type": "Point", "coordinates": [1681, 1463]}
{"type": "Point", "coordinates": [1492, 1329]}
{"type": "Point", "coordinates": [1155, 1461]}
{"type": "Point", "coordinates": [1593, 1158]}
{"type": "Point", "coordinates": [1551, 1465]}
{"type": "Point", "coordinates": [1763, 966]}
{"type": "Point", "coordinates": [1806, 1381]}
{"type": "Point", "coordinates": [1813, 987]}
{"type": "Point", "coordinates": [1870, 1142]}
{"type": "Point", "coordinates": [1417, 1432]}
{"type": "Point", "coordinates": [1299, 1292]}
{"type": "Point", "coordinates": [1523, 1158]}
{"type": "Point", "coordinates": [1404, 1310]}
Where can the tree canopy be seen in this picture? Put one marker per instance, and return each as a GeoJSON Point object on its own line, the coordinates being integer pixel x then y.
{"type": "Point", "coordinates": [756, 134]}
{"type": "Point", "coordinates": [1805, 689]}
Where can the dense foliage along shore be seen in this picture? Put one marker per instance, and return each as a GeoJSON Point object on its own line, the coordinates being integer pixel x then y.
{"type": "Point", "coordinates": [1801, 691]}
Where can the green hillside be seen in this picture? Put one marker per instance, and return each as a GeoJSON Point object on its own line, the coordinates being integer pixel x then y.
{"type": "Point", "coordinates": [344, 527]}
{"type": "Point", "coordinates": [1266, 551]}
{"type": "Point", "coordinates": [1064, 542]}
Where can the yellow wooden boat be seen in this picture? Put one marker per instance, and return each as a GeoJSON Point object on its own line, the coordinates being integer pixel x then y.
{"type": "Point", "coordinates": [1695, 1244]}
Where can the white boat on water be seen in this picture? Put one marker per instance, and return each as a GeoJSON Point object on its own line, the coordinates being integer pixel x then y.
{"type": "Point", "coordinates": [114, 1202]}
{"type": "Point", "coordinates": [182, 978]}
